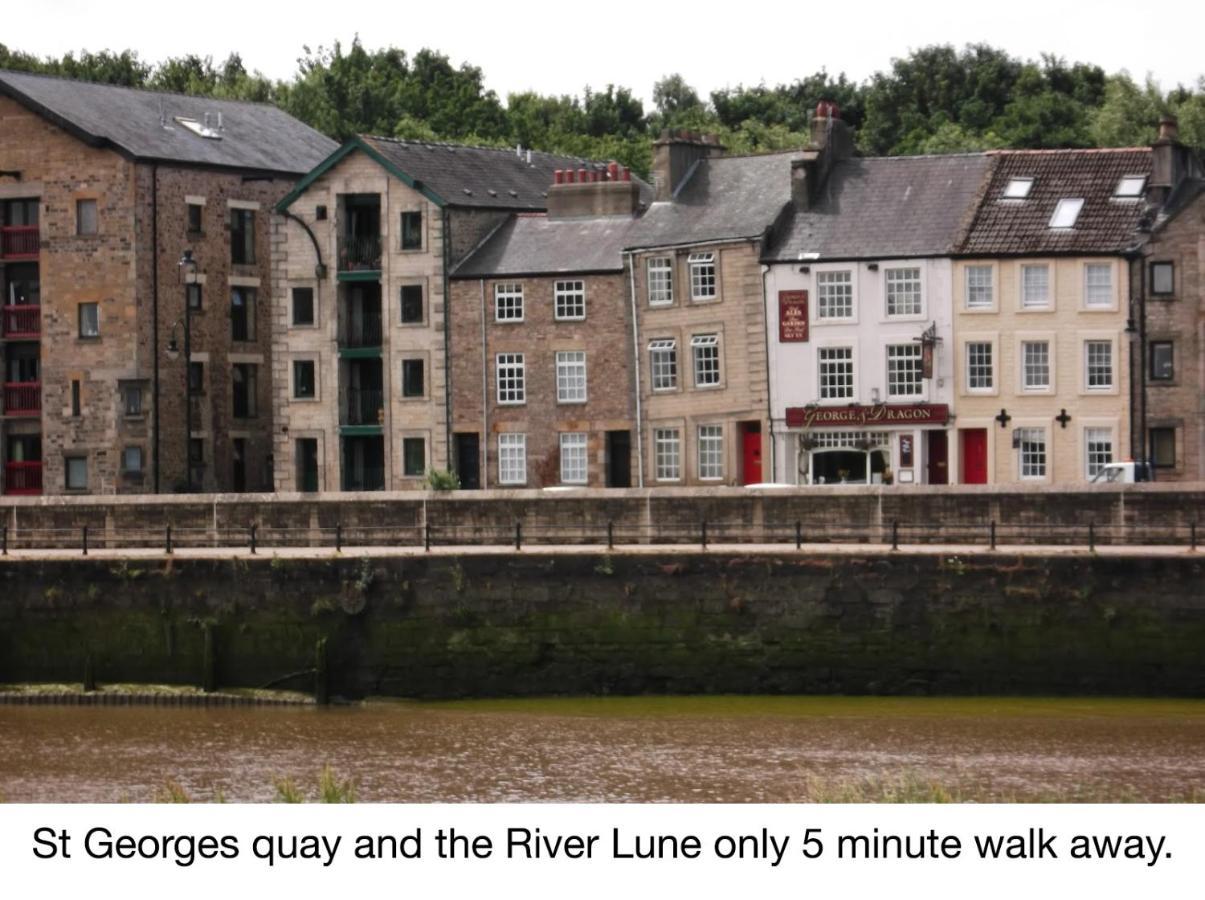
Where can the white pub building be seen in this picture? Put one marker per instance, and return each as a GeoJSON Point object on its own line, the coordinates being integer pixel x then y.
{"type": "Point", "coordinates": [860, 318]}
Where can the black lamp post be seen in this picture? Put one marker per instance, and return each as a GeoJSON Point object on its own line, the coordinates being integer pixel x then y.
{"type": "Point", "coordinates": [188, 266]}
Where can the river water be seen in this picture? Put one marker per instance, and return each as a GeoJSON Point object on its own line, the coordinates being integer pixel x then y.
{"type": "Point", "coordinates": [714, 749]}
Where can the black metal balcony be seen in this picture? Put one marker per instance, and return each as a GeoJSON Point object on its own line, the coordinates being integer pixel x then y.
{"type": "Point", "coordinates": [360, 253]}
{"type": "Point", "coordinates": [364, 406]}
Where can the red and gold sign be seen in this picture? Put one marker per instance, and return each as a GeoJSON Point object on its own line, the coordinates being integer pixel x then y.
{"type": "Point", "coordinates": [881, 415]}
{"type": "Point", "coordinates": [792, 317]}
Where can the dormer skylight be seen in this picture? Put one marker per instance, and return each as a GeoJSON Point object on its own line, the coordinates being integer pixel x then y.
{"type": "Point", "coordinates": [1130, 187]}
{"type": "Point", "coordinates": [1018, 188]}
{"type": "Point", "coordinates": [203, 129]}
{"type": "Point", "coordinates": [1066, 212]}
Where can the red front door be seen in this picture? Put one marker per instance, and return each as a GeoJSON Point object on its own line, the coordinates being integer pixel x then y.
{"type": "Point", "coordinates": [939, 469]}
{"type": "Point", "coordinates": [974, 455]}
{"type": "Point", "coordinates": [751, 452]}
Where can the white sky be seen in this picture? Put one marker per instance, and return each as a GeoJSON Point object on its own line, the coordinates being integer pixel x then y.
{"type": "Point", "coordinates": [561, 47]}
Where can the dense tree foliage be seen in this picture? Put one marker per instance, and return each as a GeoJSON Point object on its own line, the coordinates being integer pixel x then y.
{"type": "Point", "coordinates": [936, 99]}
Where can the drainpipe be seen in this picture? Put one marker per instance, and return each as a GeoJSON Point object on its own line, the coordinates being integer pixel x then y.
{"type": "Point", "coordinates": [1143, 436]}
{"type": "Point", "coordinates": [636, 371]}
{"type": "Point", "coordinates": [765, 270]}
{"type": "Point", "coordinates": [485, 399]}
{"type": "Point", "coordinates": [155, 322]}
{"type": "Point", "coordinates": [447, 267]}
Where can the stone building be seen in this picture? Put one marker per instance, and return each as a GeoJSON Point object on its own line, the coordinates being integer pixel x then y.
{"type": "Point", "coordinates": [1043, 343]}
{"type": "Point", "coordinates": [541, 342]}
{"type": "Point", "coordinates": [860, 321]}
{"type": "Point", "coordinates": [1168, 394]}
{"type": "Point", "coordinates": [102, 190]}
{"type": "Point", "coordinates": [363, 249]}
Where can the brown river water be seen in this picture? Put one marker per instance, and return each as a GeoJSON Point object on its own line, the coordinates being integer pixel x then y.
{"type": "Point", "coordinates": [700, 749]}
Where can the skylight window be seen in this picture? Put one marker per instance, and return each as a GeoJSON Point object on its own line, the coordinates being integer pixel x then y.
{"type": "Point", "coordinates": [1130, 186]}
{"type": "Point", "coordinates": [1018, 188]}
{"type": "Point", "coordinates": [1066, 213]}
{"type": "Point", "coordinates": [204, 129]}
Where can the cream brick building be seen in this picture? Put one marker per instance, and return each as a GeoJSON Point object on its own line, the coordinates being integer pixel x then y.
{"type": "Point", "coordinates": [1042, 317]}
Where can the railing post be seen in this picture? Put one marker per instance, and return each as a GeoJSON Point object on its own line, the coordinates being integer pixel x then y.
{"type": "Point", "coordinates": [518, 535]}
{"type": "Point", "coordinates": [704, 534]}
{"type": "Point", "coordinates": [1193, 545]}
{"type": "Point", "coordinates": [427, 536]}
{"type": "Point", "coordinates": [993, 538]}
{"type": "Point", "coordinates": [798, 535]}
{"type": "Point", "coordinates": [167, 541]}
{"type": "Point", "coordinates": [338, 537]}
{"type": "Point", "coordinates": [610, 535]}
{"type": "Point", "coordinates": [1092, 536]}
{"type": "Point", "coordinates": [85, 540]}
{"type": "Point", "coordinates": [252, 540]}
{"type": "Point", "coordinates": [4, 542]}
{"type": "Point", "coordinates": [895, 534]}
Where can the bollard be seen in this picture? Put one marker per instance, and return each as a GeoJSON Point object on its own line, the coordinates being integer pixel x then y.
{"type": "Point", "coordinates": [704, 535]}
{"type": "Point", "coordinates": [1092, 536]}
{"type": "Point", "coordinates": [85, 540]}
{"type": "Point", "coordinates": [338, 537]}
{"type": "Point", "coordinates": [427, 536]}
{"type": "Point", "coordinates": [209, 678]}
{"type": "Point", "coordinates": [252, 540]}
{"type": "Point", "coordinates": [993, 538]}
{"type": "Point", "coordinates": [518, 535]}
{"type": "Point", "coordinates": [610, 535]}
{"type": "Point", "coordinates": [798, 535]}
{"type": "Point", "coordinates": [167, 543]}
{"type": "Point", "coordinates": [89, 675]}
{"type": "Point", "coordinates": [895, 534]}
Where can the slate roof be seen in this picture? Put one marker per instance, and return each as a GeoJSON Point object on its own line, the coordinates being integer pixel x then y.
{"type": "Point", "coordinates": [1017, 227]}
{"type": "Point", "coordinates": [884, 207]}
{"type": "Point", "coordinates": [490, 177]}
{"type": "Point", "coordinates": [533, 244]}
{"type": "Point", "coordinates": [729, 197]}
{"type": "Point", "coordinates": [256, 136]}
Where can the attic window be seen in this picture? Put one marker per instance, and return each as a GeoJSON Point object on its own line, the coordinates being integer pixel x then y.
{"type": "Point", "coordinates": [1130, 186]}
{"type": "Point", "coordinates": [1018, 188]}
{"type": "Point", "coordinates": [204, 129]}
{"type": "Point", "coordinates": [513, 193]}
{"type": "Point", "coordinates": [1066, 213]}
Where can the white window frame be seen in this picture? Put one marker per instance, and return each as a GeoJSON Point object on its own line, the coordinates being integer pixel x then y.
{"type": "Point", "coordinates": [512, 458]}
{"type": "Point", "coordinates": [93, 329]}
{"type": "Point", "coordinates": [1066, 213]}
{"type": "Point", "coordinates": [827, 284]}
{"type": "Point", "coordinates": [1038, 437]}
{"type": "Point", "coordinates": [847, 374]}
{"type": "Point", "coordinates": [663, 364]}
{"type": "Point", "coordinates": [1130, 187]}
{"type": "Point", "coordinates": [1093, 437]}
{"type": "Point", "coordinates": [1091, 346]}
{"type": "Point", "coordinates": [709, 442]}
{"type": "Point", "coordinates": [575, 458]}
{"type": "Point", "coordinates": [659, 273]}
{"type": "Point", "coordinates": [1099, 295]}
{"type": "Point", "coordinates": [704, 277]}
{"type": "Point", "coordinates": [970, 289]}
{"type": "Point", "coordinates": [904, 284]}
{"type": "Point", "coordinates": [701, 362]}
{"type": "Point", "coordinates": [667, 454]}
{"type": "Point", "coordinates": [571, 376]}
{"type": "Point", "coordinates": [508, 301]}
{"type": "Point", "coordinates": [905, 360]}
{"type": "Point", "coordinates": [510, 379]}
{"type": "Point", "coordinates": [569, 301]}
{"type": "Point", "coordinates": [1032, 301]}
{"type": "Point", "coordinates": [973, 366]}
{"type": "Point", "coordinates": [1017, 188]}
{"type": "Point", "coordinates": [1024, 363]}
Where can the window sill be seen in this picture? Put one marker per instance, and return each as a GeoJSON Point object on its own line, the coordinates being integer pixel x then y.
{"type": "Point", "coordinates": [980, 310]}
{"type": "Point", "coordinates": [498, 321]}
{"type": "Point", "coordinates": [708, 387]}
{"type": "Point", "coordinates": [305, 399]}
{"type": "Point", "coordinates": [418, 398]}
{"type": "Point", "coordinates": [704, 301]}
{"type": "Point", "coordinates": [420, 324]}
{"type": "Point", "coordinates": [569, 318]}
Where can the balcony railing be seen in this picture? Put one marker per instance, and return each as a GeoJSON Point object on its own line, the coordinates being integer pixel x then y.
{"type": "Point", "coordinates": [359, 254]}
{"type": "Point", "coordinates": [22, 398]}
{"type": "Point", "coordinates": [363, 330]}
{"type": "Point", "coordinates": [21, 321]}
{"type": "Point", "coordinates": [364, 407]}
{"type": "Point", "coordinates": [23, 478]}
{"type": "Point", "coordinates": [19, 242]}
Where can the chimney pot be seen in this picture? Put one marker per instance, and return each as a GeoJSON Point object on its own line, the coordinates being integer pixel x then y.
{"type": "Point", "coordinates": [827, 109]}
{"type": "Point", "coordinates": [627, 174]}
{"type": "Point", "coordinates": [613, 171]}
{"type": "Point", "coordinates": [558, 177]}
{"type": "Point", "coordinates": [1169, 129]}
{"type": "Point", "coordinates": [581, 175]}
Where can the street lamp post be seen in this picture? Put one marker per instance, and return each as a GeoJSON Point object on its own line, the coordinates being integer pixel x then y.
{"type": "Point", "coordinates": [188, 266]}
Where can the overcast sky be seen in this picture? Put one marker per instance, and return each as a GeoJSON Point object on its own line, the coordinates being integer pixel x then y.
{"type": "Point", "coordinates": [562, 47]}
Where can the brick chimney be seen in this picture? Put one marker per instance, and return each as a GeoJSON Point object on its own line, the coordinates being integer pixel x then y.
{"type": "Point", "coordinates": [673, 155]}
{"type": "Point", "coordinates": [832, 141]}
{"type": "Point", "coordinates": [1171, 162]}
{"type": "Point", "coordinates": [582, 193]}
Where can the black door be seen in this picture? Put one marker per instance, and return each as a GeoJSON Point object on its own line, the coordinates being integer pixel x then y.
{"type": "Point", "coordinates": [619, 459]}
{"type": "Point", "coordinates": [468, 460]}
